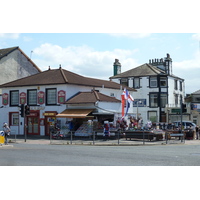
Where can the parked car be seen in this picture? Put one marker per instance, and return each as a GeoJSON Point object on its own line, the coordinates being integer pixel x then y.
{"type": "Point", "coordinates": [186, 124]}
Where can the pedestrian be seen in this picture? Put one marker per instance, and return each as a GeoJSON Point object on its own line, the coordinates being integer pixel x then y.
{"type": "Point", "coordinates": [6, 130]}
{"type": "Point", "coordinates": [106, 131]}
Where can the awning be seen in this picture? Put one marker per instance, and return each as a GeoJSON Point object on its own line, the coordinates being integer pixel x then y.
{"type": "Point", "coordinates": [75, 113]}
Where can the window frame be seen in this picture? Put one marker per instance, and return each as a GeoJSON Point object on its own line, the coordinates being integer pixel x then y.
{"type": "Point", "coordinates": [150, 100]}
{"type": "Point", "coordinates": [124, 81]}
{"type": "Point", "coordinates": [35, 98]}
{"type": "Point", "coordinates": [134, 85]}
{"type": "Point", "coordinates": [161, 102]}
{"type": "Point", "coordinates": [17, 98]}
{"type": "Point", "coordinates": [153, 79]}
{"type": "Point", "coordinates": [47, 98]}
{"type": "Point", "coordinates": [162, 79]}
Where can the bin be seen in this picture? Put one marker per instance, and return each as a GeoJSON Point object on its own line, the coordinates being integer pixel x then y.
{"type": "Point", "coordinates": [2, 139]}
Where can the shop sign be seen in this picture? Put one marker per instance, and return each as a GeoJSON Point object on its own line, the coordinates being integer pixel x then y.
{"type": "Point", "coordinates": [61, 96]}
{"type": "Point", "coordinates": [5, 99]}
{"type": "Point", "coordinates": [40, 97]}
{"type": "Point", "coordinates": [22, 98]}
{"type": "Point", "coordinates": [49, 114]}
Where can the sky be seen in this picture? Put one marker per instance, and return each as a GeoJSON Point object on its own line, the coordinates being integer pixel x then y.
{"type": "Point", "coordinates": [93, 54]}
{"type": "Point", "coordinates": [85, 37]}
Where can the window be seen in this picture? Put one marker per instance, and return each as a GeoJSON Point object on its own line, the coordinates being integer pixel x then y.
{"type": "Point", "coordinates": [51, 96]}
{"type": "Point", "coordinates": [153, 100]}
{"type": "Point", "coordinates": [181, 86]}
{"type": "Point", "coordinates": [136, 83]}
{"type": "Point", "coordinates": [163, 98]}
{"type": "Point", "coordinates": [124, 82]}
{"type": "Point", "coordinates": [163, 82]}
{"type": "Point", "coordinates": [32, 97]}
{"type": "Point", "coordinates": [14, 98]}
{"type": "Point", "coordinates": [14, 119]}
{"type": "Point", "coordinates": [152, 116]}
{"type": "Point", "coordinates": [153, 81]}
{"type": "Point", "coordinates": [176, 99]}
{"type": "Point", "coordinates": [175, 84]}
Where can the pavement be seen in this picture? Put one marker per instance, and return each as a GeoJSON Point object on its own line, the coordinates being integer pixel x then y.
{"type": "Point", "coordinates": [44, 140]}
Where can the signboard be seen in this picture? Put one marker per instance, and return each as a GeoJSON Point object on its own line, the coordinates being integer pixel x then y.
{"type": "Point", "coordinates": [61, 96]}
{"type": "Point", "coordinates": [5, 99]}
{"type": "Point", "coordinates": [40, 97]}
{"type": "Point", "coordinates": [49, 114]}
{"type": "Point", "coordinates": [139, 103]}
{"type": "Point", "coordinates": [22, 98]}
{"type": "Point", "coordinates": [176, 110]}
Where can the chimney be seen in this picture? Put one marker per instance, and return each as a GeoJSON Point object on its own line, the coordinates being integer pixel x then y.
{"type": "Point", "coordinates": [117, 67]}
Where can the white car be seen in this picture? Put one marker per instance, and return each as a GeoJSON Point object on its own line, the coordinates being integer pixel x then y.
{"type": "Point", "coordinates": [186, 124]}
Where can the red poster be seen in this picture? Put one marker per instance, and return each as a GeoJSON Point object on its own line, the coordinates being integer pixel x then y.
{"type": "Point", "coordinates": [5, 99]}
{"type": "Point", "coordinates": [61, 96]}
{"type": "Point", "coordinates": [22, 98]}
{"type": "Point", "coordinates": [41, 97]}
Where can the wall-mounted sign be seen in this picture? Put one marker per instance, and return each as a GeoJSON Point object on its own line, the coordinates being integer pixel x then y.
{"type": "Point", "coordinates": [61, 96]}
{"type": "Point", "coordinates": [139, 103]}
{"type": "Point", "coordinates": [40, 97]}
{"type": "Point", "coordinates": [22, 98]}
{"type": "Point", "coordinates": [5, 99]}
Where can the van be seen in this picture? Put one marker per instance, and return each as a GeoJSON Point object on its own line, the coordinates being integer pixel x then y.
{"type": "Point", "coordinates": [186, 124]}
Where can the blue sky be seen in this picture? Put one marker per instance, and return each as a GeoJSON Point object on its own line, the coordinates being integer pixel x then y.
{"type": "Point", "coordinates": [93, 54]}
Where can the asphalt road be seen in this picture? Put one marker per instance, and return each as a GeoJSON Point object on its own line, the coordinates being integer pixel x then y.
{"type": "Point", "coordinates": [81, 155]}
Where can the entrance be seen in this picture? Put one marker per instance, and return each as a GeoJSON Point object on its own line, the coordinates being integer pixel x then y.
{"type": "Point", "coordinates": [33, 125]}
{"type": "Point", "coordinates": [49, 121]}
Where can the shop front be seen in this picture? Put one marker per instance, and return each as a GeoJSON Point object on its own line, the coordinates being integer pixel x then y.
{"type": "Point", "coordinates": [49, 121]}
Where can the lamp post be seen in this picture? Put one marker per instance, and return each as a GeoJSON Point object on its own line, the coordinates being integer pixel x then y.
{"type": "Point", "coordinates": [137, 107]}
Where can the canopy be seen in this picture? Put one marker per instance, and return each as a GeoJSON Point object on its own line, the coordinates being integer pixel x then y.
{"type": "Point", "coordinates": [75, 113]}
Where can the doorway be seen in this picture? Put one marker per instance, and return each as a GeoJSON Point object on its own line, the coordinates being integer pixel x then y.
{"type": "Point", "coordinates": [33, 125]}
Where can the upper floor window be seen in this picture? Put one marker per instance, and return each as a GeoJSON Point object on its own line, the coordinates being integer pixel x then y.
{"type": "Point", "coordinates": [181, 85]}
{"type": "Point", "coordinates": [136, 83]}
{"type": "Point", "coordinates": [124, 81]}
{"type": "Point", "coordinates": [163, 82]}
{"type": "Point", "coordinates": [14, 98]}
{"type": "Point", "coordinates": [153, 82]}
{"type": "Point", "coordinates": [51, 96]}
{"type": "Point", "coordinates": [175, 84]}
{"type": "Point", "coordinates": [32, 97]}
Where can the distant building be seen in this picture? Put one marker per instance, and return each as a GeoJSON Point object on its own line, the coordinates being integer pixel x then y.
{"type": "Point", "coordinates": [15, 64]}
{"type": "Point", "coordinates": [156, 88]}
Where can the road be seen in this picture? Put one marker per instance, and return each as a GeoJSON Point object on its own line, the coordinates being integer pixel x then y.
{"type": "Point", "coordinates": [87, 155]}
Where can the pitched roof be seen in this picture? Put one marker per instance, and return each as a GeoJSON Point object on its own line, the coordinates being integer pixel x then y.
{"type": "Point", "coordinates": [142, 70]}
{"type": "Point", "coordinates": [5, 52]}
{"type": "Point", "coordinates": [61, 76]}
{"type": "Point", "coordinates": [91, 97]}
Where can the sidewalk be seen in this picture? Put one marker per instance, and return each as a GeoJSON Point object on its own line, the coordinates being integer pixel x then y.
{"type": "Point", "coordinates": [44, 140]}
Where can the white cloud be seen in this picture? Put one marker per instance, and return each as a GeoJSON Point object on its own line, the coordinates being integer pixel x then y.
{"type": "Point", "coordinates": [83, 60]}
{"type": "Point", "coordinates": [189, 70]}
{"type": "Point", "coordinates": [196, 36]}
{"type": "Point", "coordinates": [9, 35]}
{"type": "Point", "coordinates": [131, 35]}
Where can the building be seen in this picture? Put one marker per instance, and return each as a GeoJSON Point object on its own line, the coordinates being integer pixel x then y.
{"type": "Point", "coordinates": [157, 88]}
{"type": "Point", "coordinates": [15, 64]}
{"type": "Point", "coordinates": [58, 97]}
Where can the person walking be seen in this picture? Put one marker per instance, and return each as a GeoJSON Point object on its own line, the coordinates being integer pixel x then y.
{"type": "Point", "coordinates": [6, 130]}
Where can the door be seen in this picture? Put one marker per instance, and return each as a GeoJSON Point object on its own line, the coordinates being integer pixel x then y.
{"type": "Point", "coordinates": [33, 126]}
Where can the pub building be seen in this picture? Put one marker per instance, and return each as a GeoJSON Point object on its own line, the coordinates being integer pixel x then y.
{"type": "Point", "coordinates": [57, 97]}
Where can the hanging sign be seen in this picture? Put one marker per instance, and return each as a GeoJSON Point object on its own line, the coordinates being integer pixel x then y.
{"type": "Point", "coordinates": [5, 99]}
{"type": "Point", "coordinates": [61, 96]}
{"type": "Point", "coordinates": [22, 98]}
{"type": "Point", "coordinates": [40, 97]}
